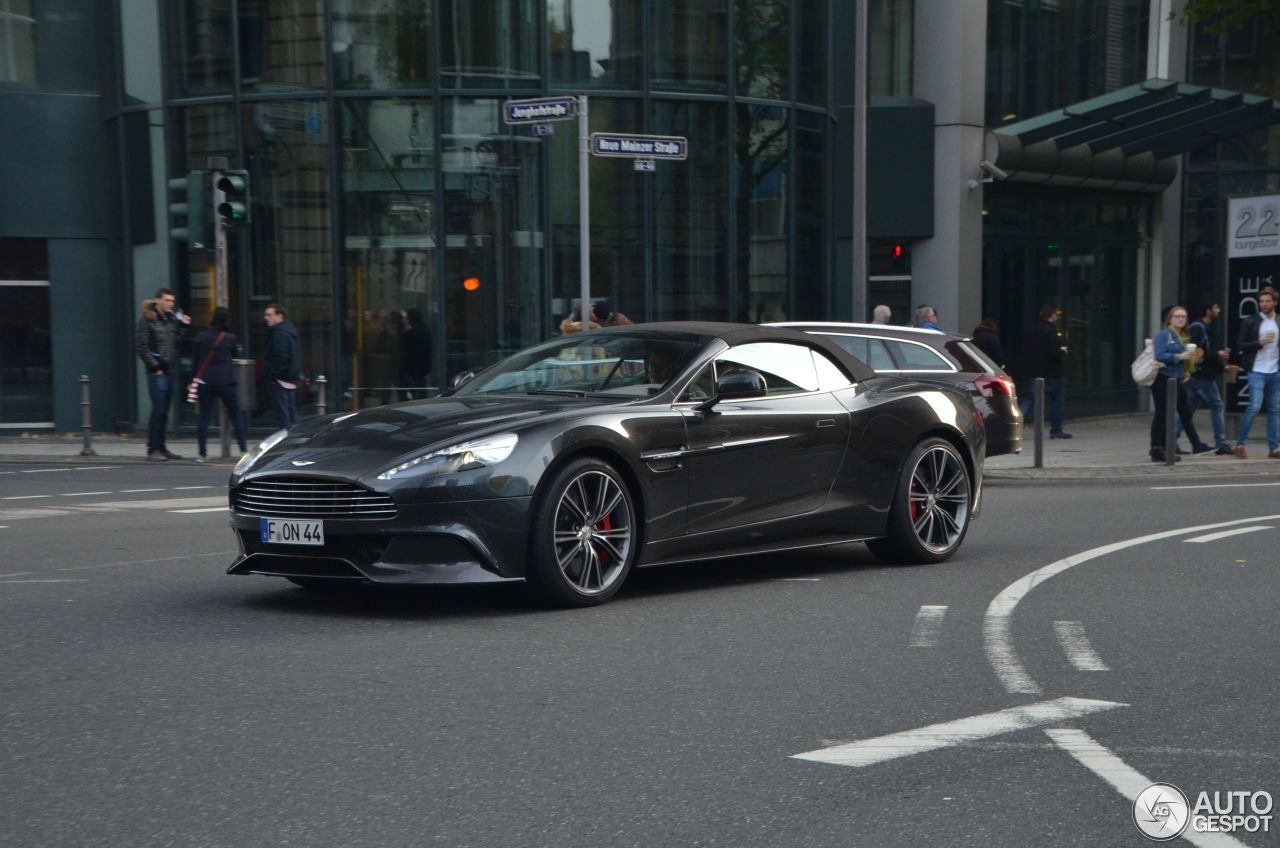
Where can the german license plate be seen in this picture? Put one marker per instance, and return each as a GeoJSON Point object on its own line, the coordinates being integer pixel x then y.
{"type": "Point", "coordinates": [287, 531]}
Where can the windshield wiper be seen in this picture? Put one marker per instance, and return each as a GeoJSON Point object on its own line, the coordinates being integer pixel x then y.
{"type": "Point", "coordinates": [561, 392]}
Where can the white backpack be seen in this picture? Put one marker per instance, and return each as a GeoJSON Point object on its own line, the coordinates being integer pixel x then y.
{"type": "Point", "coordinates": [1145, 368]}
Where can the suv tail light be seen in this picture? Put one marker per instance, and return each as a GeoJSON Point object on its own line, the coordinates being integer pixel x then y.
{"type": "Point", "coordinates": [992, 386]}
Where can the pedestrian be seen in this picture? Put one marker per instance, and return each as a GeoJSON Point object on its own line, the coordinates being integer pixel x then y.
{"type": "Point", "coordinates": [927, 317]}
{"type": "Point", "coordinates": [284, 355]}
{"type": "Point", "coordinates": [573, 322]}
{"type": "Point", "coordinates": [602, 313]}
{"type": "Point", "coordinates": [216, 379]}
{"type": "Point", "coordinates": [882, 315]}
{"type": "Point", "coordinates": [155, 339]}
{"type": "Point", "coordinates": [1043, 355]}
{"type": "Point", "coordinates": [1256, 343]}
{"type": "Point", "coordinates": [986, 337]}
{"type": "Point", "coordinates": [1203, 387]}
{"type": "Point", "coordinates": [1176, 360]}
{"type": "Point", "coordinates": [415, 355]}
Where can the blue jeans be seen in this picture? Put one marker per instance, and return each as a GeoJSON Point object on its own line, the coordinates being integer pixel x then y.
{"type": "Point", "coordinates": [160, 388]}
{"type": "Point", "coordinates": [228, 394]}
{"type": "Point", "coordinates": [1206, 392]}
{"type": "Point", "coordinates": [284, 403]}
{"type": "Point", "coordinates": [1055, 397]}
{"type": "Point", "coordinates": [1260, 385]}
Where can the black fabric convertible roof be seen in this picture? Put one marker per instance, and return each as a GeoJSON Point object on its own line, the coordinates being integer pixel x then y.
{"type": "Point", "coordinates": [736, 334]}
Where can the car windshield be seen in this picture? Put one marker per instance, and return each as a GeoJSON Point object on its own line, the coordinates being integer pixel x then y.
{"type": "Point", "coordinates": [611, 364]}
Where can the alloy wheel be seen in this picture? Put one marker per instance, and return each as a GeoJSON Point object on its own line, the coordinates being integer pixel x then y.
{"type": "Point", "coordinates": [939, 499]}
{"type": "Point", "coordinates": [592, 532]}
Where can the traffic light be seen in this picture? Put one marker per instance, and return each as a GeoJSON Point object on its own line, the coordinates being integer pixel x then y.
{"type": "Point", "coordinates": [233, 198]}
{"type": "Point", "coordinates": [186, 209]}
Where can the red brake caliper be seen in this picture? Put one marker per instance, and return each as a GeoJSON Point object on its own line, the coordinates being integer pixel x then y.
{"type": "Point", "coordinates": [606, 526]}
{"type": "Point", "coordinates": [915, 508]}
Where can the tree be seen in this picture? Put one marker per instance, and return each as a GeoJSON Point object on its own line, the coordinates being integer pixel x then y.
{"type": "Point", "coordinates": [1222, 16]}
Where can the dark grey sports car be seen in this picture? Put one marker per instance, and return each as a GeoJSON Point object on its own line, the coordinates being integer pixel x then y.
{"type": "Point", "coordinates": [576, 460]}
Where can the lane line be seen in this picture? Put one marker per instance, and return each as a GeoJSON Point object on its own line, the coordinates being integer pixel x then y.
{"type": "Point", "coordinates": [206, 509]}
{"type": "Point", "coordinates": [148, 561]}
{"type": "Point", "coordinates": [45, 580]}
{"type": "Point", "coordinates": [790, 579]}
{"type": "Point", "coordinates": [181, 488]}
{"type": "Point", "coordinates": [924, 633]}
{"type": "Point", "coordinates": [82, 494]}
{"type": "Point", "coordinates": [950, 733]}
{"type": "Point", "coordinates": [1077, 648]}
{"type": "Point", "coordinates": [1213, 486]}
{"type": "Point", "coordinates": [24, 497]}
{"type": "Point", "coordinates": [44, 470]}
{"type": "Point", "coordinates": [18, 574]}
{"type": "Point", "coordinates": [134, 491]}
{"type": "Point", "coordinates": [997, 641]}
{"type": "Point", "coordinates": [96, 467]}
{"type": "Point", "coordinates": [1224, 534]}
{"type": "Point", "coordinates": [1125, 779]}
{"type": "Point", "coordinates": [163, 503]}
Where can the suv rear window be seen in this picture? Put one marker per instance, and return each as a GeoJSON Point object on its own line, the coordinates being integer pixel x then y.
{"type": "Point", "coordinates": [971, 358]}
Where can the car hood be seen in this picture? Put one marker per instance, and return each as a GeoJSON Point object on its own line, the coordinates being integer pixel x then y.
{"type": "Point", "coordinates": [359, 443]}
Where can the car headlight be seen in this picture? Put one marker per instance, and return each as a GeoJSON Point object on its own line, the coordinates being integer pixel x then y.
{"type": "Point", "coordinates": [246, 462]}
{"type": "Point", "coordinates": [475, 454]}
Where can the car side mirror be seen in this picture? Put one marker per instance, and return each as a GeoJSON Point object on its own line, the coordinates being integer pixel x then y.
{"type": "Point", "coordinates": [735, 384]}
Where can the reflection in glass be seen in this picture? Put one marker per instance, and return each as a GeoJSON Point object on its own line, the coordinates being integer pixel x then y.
{"type": "Point", "coordinates": [487, 42]}
{"type": "Point", "coordinates": [384, 45]}
{"type": "Point", "coordinates": [690, 227]}
{"type": "Point", "coordinates": [890, 27]}
{"type": "Point", "coordinates": [689, 39]}
{"type": "Point", "coordinates": [596, 44]}
{"type": "Point", "coordinates": [811, 217]}
{"type": "Point", "coordinates": [281, 45]}
{"type": "Point", "coordinates": [761, 169]}
{"type": "Point", "coordinates": [288, 161]}
{"type": "Point", "coordinates": [389, 250]}
{"type": "Point", "coordinates": [760, 44]}
{"type": "Point", "coordinates": [204, 131]}
{"type": "Point", "coordinates": [814, 26]}
{"type": "Point", "coordinates": [18, 35]}
{"type": "Point", "coordinates": [493, 236]}
{"type": "Point", "coordinates": [200, 47]}
{"type": "Point", "coordinates": [617, 217]}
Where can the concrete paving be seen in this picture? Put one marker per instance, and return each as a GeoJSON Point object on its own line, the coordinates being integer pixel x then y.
{"type": "Point", "coordinates": [1101, 447]}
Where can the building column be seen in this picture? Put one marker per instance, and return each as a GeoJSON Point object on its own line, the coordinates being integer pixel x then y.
{"type": "Point", "coordinates": [949, 69]}
{"type": "Point", "coordinates": [1166, 59]}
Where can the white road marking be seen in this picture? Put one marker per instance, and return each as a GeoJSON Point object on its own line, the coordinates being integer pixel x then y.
{"type": "Point", "coordinates": [1124, 778]}
{"type": "Point", "coordinates": [924, 633]}
{"type": "Point", "coordinates": [1076, 645]}
{"type": "Point", "coordinates": [868, 752]}
{"type": "Point", "coordinates": [134, 491]}
{"type": "Point", "coordinates": [46, 580]}
{"type": "Point", "coordinates": [43, 470]}
{"type": "Point", "coordinates": [24, 497]}
{"type": "Point", "coordinates": [18, 574]}
{"type": "Point", "coordinates": [95, 467]}
{"type": "Point", "coordinates": [82, 494]}
{"type": "Point", "coordinates": [1213, 486]}
{"type": "Point", "coordinates": [798, 580]}
{"type": "Point", "coordinates": [207, 509]}
{"type": "Point", "coordinates": [148, 561]}
{"type": "Point", "coordinates": [163, 503]}
{"type": "Point", "coordinates": [181, 488]}
{"type": "Point", "coordinates": [1223, 534]}
{"type": "Point", "coordinates": [996, 625]}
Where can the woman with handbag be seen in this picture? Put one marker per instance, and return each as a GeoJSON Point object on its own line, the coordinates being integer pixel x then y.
{"type": "Point", "coordinates": [216, 378]}
{"type": "Point", "coordinates": [1176, 360]}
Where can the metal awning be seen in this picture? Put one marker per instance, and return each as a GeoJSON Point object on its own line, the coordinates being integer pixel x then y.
{"type": "Point", "coordinates": [1125, 139]}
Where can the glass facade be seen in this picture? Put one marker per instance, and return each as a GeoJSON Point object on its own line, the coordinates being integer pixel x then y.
{"type": "Point", "coordinates": [17, 42]}
{"type": "Point", "coordinates": [26, 352]}
{"type": "Point", "coordinates": [411, 234]}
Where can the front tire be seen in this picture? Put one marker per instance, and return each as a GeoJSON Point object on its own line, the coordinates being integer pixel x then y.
{"type": "Point", "coordinates": [583, 541]}
{"type": "Point", "coordinates": [929, 516]}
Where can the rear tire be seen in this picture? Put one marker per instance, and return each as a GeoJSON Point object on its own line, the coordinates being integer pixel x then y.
{"type": "Point", "coordinates": [929, 516]}
{"type": "Point", "coordinates": [583, 539]}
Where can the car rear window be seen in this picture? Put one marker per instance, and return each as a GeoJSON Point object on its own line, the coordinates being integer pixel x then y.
{"type": "Point", "coordinates": [914, 356]}
{"type": "Point", "coordinates": [871, 351]}
{"type": "Point", "coordinates": [971, 358]}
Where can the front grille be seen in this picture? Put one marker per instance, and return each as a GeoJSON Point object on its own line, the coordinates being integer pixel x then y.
{"type": "Point", "coordinates": [304, 497]}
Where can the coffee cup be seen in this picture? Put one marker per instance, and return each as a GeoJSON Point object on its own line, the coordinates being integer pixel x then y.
{"type": "Point", "coordinates": [1191, 348]}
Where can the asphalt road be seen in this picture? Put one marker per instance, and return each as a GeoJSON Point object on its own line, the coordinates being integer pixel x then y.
{"type": "Point", "coordinates": [147, 699]}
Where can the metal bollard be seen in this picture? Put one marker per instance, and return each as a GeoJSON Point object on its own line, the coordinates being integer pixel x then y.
{"type": "Point", "coordinates": [322, 405]}
{"type": "Point", "coordinates": [86, 417]}
{"type": "Point", "coordinates": [1039, 413]}
{"type": "Point", "coordinates": [1170, 417]}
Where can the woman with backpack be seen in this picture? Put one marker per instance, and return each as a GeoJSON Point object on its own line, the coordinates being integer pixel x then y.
{"type": "Point", "coordinates": [1177, 361]}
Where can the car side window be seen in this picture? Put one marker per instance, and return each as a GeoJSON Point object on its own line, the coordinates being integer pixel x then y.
{"type": "Point", "coordinates": [918, 357]}
{"type": "Point", "coordinates": [786, 368]}
{"type": "Point", "coordinates": [830, 377]}
{"type": "Point", "coordinates": [871, 351]}
{"type": "Point", "coordinates": [700, 388]}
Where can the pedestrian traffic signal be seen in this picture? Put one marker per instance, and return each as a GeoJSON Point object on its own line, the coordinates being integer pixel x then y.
{"type": "Point", "coordinates": [471, 284]}
{"type": "Point", "coordinates": [233, 198]}
{"type": "Point", "coordinates": [186, 209]}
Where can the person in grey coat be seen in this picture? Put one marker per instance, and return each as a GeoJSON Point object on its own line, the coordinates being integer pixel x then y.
{"type": "Point", "coordinates": [155, 340]}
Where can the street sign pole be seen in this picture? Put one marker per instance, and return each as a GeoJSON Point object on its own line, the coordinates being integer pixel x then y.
{"type": "Point", "coordinates": [584, 211]}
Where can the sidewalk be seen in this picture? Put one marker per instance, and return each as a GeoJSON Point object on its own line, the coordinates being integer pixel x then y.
{"type": "Point", "coordinates": [1109, 447]}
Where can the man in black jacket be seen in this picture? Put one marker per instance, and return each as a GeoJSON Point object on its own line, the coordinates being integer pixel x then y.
{"type": "Point", "coordinates": [155, 340]}
{"type": "Point", "coordinates": [1261, 358]}
{"type": "Point", "coordinates": [1203, 386]}
{"type": "Point", "coordinates": [1042, 357]}
{"type": "Point", "coordinates": [284, 355]}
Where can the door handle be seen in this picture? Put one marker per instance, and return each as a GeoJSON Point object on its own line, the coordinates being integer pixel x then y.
{"type": "Point", "coordinates": [826, 422]}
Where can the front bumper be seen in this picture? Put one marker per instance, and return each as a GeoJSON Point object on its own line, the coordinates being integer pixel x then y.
{"type": "Point", "coordinates": [479, 541]}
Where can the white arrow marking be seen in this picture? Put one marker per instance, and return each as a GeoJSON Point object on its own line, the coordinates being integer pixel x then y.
{"type": "Point", "coordinates": [868, 752]}
{"type": "Point", "coordinates": [1213, 537]}
{"type": "Point", "coordinates": [924, 633]}
{"type": "Point", "coordinates": [1076, 646]}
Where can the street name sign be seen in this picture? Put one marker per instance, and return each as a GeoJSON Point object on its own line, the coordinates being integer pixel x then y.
{"type": "Point", "coordinates": [539, 110]}
{"type": "Point", "coordinates": [640, 146]}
